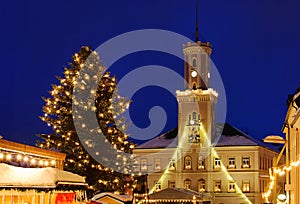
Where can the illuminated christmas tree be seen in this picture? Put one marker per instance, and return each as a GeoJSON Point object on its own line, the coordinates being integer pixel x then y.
{"type": "Point", "coordinates": [107, 106]}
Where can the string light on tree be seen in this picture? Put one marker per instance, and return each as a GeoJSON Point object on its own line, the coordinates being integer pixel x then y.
{"type": "Point", "coordinates": [58, 115]}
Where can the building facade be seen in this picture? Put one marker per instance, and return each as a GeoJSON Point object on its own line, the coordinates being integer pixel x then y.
{"type": "Point", "coordinates": [221, 163]}
{"type": "Point", "coordinates": [291, 129]}
{"type": "Point", "coordinates": [235, 171]}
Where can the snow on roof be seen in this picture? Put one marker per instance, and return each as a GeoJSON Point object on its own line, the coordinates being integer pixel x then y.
{"type": "Point", "coordinates": [123, 198]}
{"type": "Point", "coordinates": [176, 194]}
{"type": "Point", "coordinates": [12, 176]}
{"type": "Point", "coordinates": [168, 139]}
{"type": "Point", "coordinates": [230, 136]}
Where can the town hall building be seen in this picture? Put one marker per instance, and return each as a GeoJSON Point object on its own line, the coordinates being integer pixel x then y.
{"type": "Point", "coordinates": [202, 161]}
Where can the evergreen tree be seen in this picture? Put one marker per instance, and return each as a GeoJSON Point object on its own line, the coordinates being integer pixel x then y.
{"type": "Point", "coordinates": [107, 106]}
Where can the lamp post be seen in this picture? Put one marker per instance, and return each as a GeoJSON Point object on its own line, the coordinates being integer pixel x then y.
{"type": "Point", "coordinates": [276, 139]}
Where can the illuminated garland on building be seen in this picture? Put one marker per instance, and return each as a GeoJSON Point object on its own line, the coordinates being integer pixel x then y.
{"type": "Point", "coordinates": [278, 171]}
{"type": "Point", "coordinates": [26, 159]}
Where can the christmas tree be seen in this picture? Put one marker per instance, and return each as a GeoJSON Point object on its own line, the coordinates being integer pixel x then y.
{"type": "Point", "coordinates": [107, 105]}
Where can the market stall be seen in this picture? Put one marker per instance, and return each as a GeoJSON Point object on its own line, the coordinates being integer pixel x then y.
{"type": "Point", "coordinates": [48, 185]}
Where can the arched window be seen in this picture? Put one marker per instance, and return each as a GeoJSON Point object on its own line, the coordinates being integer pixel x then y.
{"type": "Point", "coordinates": [187, 184]}
{"type": "Point", "coordinates": [172, 164]}
{"type": "Point", "coordinates": [194, 116]}
{"type": "Point", "coordinates": [201, 163]}
{"type": "Point", "coordinates": [194, 86]}
{"type": "Point", "coordinates": [187, 162]}
{"type": "Point", "coordinates": [194, 63]}
{"type": "Point", "coordinates": [201, 185]}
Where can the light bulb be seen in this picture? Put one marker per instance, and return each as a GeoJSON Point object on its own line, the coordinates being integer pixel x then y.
{"type": "Point", "coordinates": [33, 161]}
{"type": "Point", "coordinates": [19, 157]}
{"type": "Point", "coordinates": [53, 162]}
{"type": "Point", "coordinates": [8, 156]}
{"type": "Point", "coordinates": [25, 158]}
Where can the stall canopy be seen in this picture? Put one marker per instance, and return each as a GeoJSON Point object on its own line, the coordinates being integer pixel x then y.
{"type": "Point", "coordinates": [111, 198]}
{"type": "Point", "coordinates": [12, 176]}
{"type": "Point", "coordinates": [179, 195]}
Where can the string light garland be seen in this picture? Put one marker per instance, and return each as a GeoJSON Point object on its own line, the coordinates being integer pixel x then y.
{"type": "Point", "coordinates": [26, 159]}
{"type": "Point", "coordinates": [278, 171]}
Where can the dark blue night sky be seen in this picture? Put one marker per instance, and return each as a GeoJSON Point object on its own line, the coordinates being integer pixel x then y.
{"type": "Point", "coordinates": [255, 47]}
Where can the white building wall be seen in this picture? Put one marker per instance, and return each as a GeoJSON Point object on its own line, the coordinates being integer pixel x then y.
{"type": "Point", "coordinates": [253, 174]}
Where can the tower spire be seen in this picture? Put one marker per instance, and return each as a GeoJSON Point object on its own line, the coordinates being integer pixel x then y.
{"type": "Point", "coordinates": [197, 27]}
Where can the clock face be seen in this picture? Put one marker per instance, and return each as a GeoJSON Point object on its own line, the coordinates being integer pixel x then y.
{"type": "Point", "coordinates": [194, 73]}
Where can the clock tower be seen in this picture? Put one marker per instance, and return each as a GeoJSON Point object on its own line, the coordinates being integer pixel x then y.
{"type": "Point", "coordinates": [196, 113]}
{"type": "Point", "coordinates": [197, 103]}
{"type": "Point", "coordinates": [197, 65]}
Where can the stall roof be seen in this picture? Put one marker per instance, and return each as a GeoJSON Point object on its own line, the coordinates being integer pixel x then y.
{"type": "Point", "coordinates": [12, 176]}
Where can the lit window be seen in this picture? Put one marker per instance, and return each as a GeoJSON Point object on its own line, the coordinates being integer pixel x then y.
{"type": "Point", "coordinates": [157, 164]}
{"type": "Point", "coordinates": [201, 185]}
{"type": "Point", "coordinates": [187, 184]}
{"type": "Point", "coordinates": [217, 186]}
{"type": "Point", "coordinates": [187, 162]}
{"type": "Point", "coordinates": [144, 165]}
{"type": "Point", "coordinates": [172, 164]}
{"type": "Point", "coordinates": [231, 163]}
{"type": "Point", "coordinates": [246, 186]}
{"type": "Point", "coordinates": [172, 184]}
{"type": "Point", "coordinates": [217, 163]}
{"type": "Point", "coordinates": [201, 163]}
{"type": "Point", "coordinates": [245, 162]}
{"type": "Point", "coordinates": [157, 186]}
{"type": "Point", "coordinates": [231, 187]}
